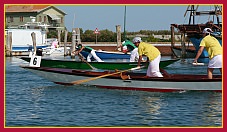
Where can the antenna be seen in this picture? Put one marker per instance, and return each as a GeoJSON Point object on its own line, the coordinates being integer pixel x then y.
{"type": "Point", "coordinates": [186, 11]}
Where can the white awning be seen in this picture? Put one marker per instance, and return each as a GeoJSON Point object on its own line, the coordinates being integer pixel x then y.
{"type": "Point", "coordinates": [53, 16]}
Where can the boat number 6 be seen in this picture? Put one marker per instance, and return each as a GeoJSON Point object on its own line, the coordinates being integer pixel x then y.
{"type": "Point", "coordinates": [35, 61]}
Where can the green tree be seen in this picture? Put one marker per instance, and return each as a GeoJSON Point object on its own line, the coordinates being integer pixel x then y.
{"type": "Point", "coordinates": [106, 36]}
{"type": "Point", "coordinates": [88, 36]}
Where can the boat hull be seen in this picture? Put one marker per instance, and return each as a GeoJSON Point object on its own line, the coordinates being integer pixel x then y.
{"type": "Point", "coordinates": [71, 64]}
{"type": "Point", "coordinates": [136, 82]}
{"type": "Point", "coordinates": [22, 40]}
{"type": "Point", "coordinates": [178, 52]}
{"type": "Point", "coordinates": [27, 48]}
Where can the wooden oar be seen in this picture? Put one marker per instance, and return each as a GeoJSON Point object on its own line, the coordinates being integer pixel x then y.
{"type": "Point", "coordinates": [82, 59]}
{"type": "Point", "coordinates": [123, 77]}
{"type": "Point", "coordinates": [105, 75]}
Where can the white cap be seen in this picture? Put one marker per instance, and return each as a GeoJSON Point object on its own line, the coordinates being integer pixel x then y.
{"type": "Point", "coordinates": [207, 30]}
{"type": "Point", "coordinates": [124, 48]}
{"type": "Point", "coordinates": [136, 39]}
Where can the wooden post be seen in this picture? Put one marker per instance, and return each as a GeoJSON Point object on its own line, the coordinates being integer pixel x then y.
{"type": "Point", "coordinates": [78, 41]}
{"type": "Point", "coordinates": [65, 42]}
{"type": "Point", "coordinates": [59, 37]}
{"type": "Point", "coordinates": [73, 43]}
{"type": "Point", "coordinates": [9, 44]}
{"type": "Point", "coordinates": [172, 36]}
{"type": "Point", "coordinates": [34, 42]}
{"type": "Point", "coordinates": [172, 39]}
{"type": "Point", "coordinates": [96, 38]}
{"type": "Point", "coordinates": [118, 30]}
{"type": "Point", "coordinates": [183, 52]}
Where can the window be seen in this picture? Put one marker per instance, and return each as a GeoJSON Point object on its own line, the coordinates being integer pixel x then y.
{"type": "Point", "coordinates": [11, 19]}
{"type": "Point", "coordinates": [21, 18]}
{"type": "Point", "coordinates": [61, 19]}
{"type": "Point", "coordinates": [40, 19]}
{"type": "Point", "coordinates": [45, 19]}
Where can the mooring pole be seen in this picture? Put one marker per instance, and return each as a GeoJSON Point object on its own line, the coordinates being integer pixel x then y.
{"type": "Point", "coordinates": [183, 47]}
{"type": "Point", "coordinates": [118, 28]}
{"type": "Point", "coordinates": [9, 44]}
{"type": "Point", "coordinates": [65, 43]}
{"type": "Point", "coordinates": [34, 42]}
{"type": "Point", "coordinates": [73, 43]}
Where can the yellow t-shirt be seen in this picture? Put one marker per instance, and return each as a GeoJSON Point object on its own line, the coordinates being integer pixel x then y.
{"type": "Point", "coordinates": [212, 46]}
{"type": "Point", "coordinates": [149, 50]}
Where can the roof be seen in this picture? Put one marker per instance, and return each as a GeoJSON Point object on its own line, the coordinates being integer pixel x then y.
{"type": "Point", "coordinates": [28, 8]}
{"type": "Point", "coordinates": [25, 8]}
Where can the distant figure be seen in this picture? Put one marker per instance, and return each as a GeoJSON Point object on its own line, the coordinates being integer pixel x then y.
{"type": "Point", "coordinates": [54, 44]}
{"type": "Point", "coordinates": [153, 55]}
{"type": "Point", "coordinates": [128, 46]}
{"type": "Point", "coordinates": [91, 52]}
{"type": "Point", "coordinates": [214, 50]}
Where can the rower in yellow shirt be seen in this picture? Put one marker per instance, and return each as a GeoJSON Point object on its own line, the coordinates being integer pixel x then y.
{"type": "Point", "coordinates": [214, 50]}
{"type": "Point", "coordinates": [153, 55]}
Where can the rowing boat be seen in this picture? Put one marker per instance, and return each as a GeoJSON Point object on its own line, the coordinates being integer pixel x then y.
{"type": "Point", "coordinates": [129, 80]}
{"type": "Point", "coordinates": [71, 64]}
{"type": "Point", "coordinates": [108, 54]}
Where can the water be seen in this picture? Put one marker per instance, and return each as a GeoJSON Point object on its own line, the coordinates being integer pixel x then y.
{"type": "Point", "coordinates": [34, 101]}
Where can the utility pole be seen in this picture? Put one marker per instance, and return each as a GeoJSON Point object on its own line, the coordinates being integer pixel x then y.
{"type": "Point", "coordinates": [124, 24]}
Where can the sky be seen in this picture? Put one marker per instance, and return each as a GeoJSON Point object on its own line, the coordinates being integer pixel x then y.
{"type": "Point", "coordinates": [138, 17]}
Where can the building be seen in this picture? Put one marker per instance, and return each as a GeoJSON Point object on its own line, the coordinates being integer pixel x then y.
{"type": "Point", "coordinates": [23, 16]}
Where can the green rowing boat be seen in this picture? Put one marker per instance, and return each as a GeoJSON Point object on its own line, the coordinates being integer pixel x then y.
{"type": "Point", "coordinates": [71, 64]}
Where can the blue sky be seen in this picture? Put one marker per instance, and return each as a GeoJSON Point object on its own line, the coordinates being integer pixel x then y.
{"type": "Point", "coordinates": [138, 17]}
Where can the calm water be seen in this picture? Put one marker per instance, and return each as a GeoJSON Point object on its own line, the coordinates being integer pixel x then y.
{"type": "Point", "coordinates": [34, 101]}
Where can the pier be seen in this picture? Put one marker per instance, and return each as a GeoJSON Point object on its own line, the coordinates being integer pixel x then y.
{"type": "Point", "coordinates": [164, 47]}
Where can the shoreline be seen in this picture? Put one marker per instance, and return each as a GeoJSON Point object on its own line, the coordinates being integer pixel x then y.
{"type": "Point", "coordinates": [164, 48]}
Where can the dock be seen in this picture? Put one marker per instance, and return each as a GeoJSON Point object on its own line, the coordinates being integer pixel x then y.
{"type": "Point", "coordinates": [164, 48]}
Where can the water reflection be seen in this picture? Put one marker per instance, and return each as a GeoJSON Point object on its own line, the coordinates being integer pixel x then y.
{"type": "Point", "coordinates": [182, 109]}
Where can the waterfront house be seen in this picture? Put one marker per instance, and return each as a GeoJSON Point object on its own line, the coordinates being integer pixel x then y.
{"type": "Point", "coordinates": [17, 16]}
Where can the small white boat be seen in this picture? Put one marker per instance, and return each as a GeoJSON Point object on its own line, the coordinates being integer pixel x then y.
{"type": "Point", "coordinates": [22, 42]}
{"type": "Point", "coordinates": [55, 51]}
{"type": "Point", "coordinates": [108, 55]}
{"type": "Point", "coordinates": [126, 80]}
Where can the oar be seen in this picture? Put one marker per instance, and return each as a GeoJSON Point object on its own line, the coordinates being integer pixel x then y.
{"type": "Point", "coordinates": [105, 75]}
{"type": "Point", "coordinates": [197, 64]}
{"type": "Point", "coordinates": [123, 77]}
{"type": "Point", "coordinates": [82, 58]}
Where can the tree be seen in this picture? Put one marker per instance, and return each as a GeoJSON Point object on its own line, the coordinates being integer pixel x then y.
{"type": "Point", "coordinates": [88, 36]}
{"type": "Point", "coordinates": [106, 36]}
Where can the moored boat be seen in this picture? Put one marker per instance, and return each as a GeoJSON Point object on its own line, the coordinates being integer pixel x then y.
{"type": "Point", "coordinates": [55, 51]}
{"type": "Point", "coordinates": [193, 31]}
{"type": "Point", "coordinates": [72, 64]}
{"type": "Point", "coordinates": [126, 80]}
{"type": "Point", "coordinates": [108, 54]}
{"type": "Point", "coordinates": [21, 39]}
{"type": "Point", "coordinates": [189, 53]}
